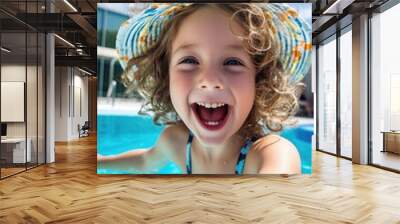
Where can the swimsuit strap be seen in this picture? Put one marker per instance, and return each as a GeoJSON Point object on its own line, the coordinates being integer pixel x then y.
{"type": "Point", "coordinates": [239, 164]}
{"type": "Point", "coordinates": [242, 157]}
{"type": "Point", "coordinates": [189, 153]}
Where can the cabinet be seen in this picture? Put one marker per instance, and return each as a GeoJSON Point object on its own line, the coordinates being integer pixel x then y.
{"type": "Point", "coordinates": [391, 141]}
{"type": "Point", "coordinates": [13, 150]}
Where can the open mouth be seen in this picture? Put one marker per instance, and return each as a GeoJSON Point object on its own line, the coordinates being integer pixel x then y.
{"type": "Point", "coordinates": [212, 116]}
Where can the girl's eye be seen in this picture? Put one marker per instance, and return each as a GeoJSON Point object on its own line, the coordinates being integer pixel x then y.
{"type": "Point", "coordinates": [233, 61]}
{"type": "Point", "coordinates": [189, 60]}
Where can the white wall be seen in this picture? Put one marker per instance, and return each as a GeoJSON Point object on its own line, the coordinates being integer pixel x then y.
{"type": "Point", "coordinates": [12, 73]}
{"type": "Point", "coordinates": [33, 127]}
{"type": "Point", "coordinates": [70, 83]}
{"type": "Point", "coordinates": [79, 117]}
{"type": "Point", "coordinates": [12, 101]}
{"type": "Point", "coordinates": [62, 81]}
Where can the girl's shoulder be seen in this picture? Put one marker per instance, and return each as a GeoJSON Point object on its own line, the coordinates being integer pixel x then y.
{"type": "Point", "coordinates": [173, 140]}
{"type": "Point", "coordinates": [173, 135]}
{"type": "Point", "coordinates": [273, 154]}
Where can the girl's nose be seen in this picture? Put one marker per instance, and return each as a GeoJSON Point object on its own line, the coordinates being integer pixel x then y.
{"type": "Point", "coordinates": [210, 80]}
{"type": "Point", "coordinates": [216, 87]}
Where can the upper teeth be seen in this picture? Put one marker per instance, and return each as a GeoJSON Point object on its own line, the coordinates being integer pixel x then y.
{"type": "Point", "coordinates": [210, 105]}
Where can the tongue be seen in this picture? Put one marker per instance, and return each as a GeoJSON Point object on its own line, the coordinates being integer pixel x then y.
{"type": "Point", "coordinates": [212, 114]}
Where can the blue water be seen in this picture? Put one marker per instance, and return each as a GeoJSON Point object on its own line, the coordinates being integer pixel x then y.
{"type": "Point", "coordinates": [120, 133]}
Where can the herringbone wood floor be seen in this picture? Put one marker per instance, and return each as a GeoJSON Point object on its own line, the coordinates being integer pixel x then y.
{"type": "Point", "coordinates": [70, 191]}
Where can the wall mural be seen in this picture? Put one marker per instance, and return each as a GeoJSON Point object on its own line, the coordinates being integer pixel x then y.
{"type": "Point", "coordinates": [190, 88]}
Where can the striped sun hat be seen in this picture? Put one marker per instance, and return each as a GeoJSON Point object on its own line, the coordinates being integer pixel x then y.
{"type": "Point", "coordinates": [138, 34]}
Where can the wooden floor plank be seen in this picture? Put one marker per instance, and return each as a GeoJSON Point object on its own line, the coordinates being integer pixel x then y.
{"type": "Point", "coordinates": [70, 191]}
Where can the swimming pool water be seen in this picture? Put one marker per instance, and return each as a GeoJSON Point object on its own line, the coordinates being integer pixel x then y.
{"type": "Point", "coordinates": [121, 133]}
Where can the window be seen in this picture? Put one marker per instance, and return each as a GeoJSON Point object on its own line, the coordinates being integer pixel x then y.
{"type": "Point", "coordinates": [346, 93]}
{"type": "Point", "coordinates": [327, 96]}
{"type": "Point", "coordinates": [385, 89]}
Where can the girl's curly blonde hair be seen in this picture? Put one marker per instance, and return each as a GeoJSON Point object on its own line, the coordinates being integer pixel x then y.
{"type": "Point", "coordinates": [275, 98]}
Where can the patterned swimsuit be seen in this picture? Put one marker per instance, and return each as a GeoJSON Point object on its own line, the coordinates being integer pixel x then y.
{"type": "Point", "coordinates": [239, 164]}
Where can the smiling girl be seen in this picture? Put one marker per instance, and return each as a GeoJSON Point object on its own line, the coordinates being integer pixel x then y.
{"type": "Point", "coordinates": [222, 77]}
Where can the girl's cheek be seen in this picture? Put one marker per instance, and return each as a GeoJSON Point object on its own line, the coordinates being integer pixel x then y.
{"type": "Point", "coordinates": [180, 84]}
{"type": "Point", "coordinates": [244, 83]}
{"type": "Point", "coordinates": [244, 89]}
